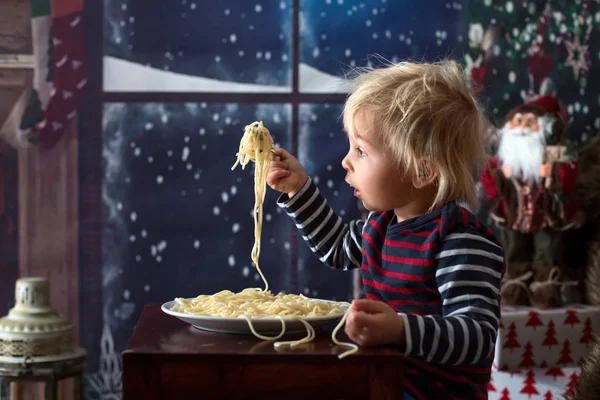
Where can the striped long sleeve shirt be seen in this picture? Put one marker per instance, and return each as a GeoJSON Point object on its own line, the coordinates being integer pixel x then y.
{"type": "Point", "coordinates": [440, 271]}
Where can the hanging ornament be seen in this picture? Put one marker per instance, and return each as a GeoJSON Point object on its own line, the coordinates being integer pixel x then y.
{"type": "Point", "coordinates": [577, 56]}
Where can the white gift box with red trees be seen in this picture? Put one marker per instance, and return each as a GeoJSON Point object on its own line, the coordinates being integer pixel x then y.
{"type": "Point", "coordinates": [552, 338]}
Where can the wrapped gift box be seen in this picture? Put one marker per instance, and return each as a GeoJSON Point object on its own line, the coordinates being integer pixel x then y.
{"type": "Point", "coordinates": [533, 338]}
{"type": "Point", "coordinates": [533, 384]}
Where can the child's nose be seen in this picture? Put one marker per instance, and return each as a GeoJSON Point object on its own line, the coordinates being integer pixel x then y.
{"type": "Point", "coordinates": [346, 163]}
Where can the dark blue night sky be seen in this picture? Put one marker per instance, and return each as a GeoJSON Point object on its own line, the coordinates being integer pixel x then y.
{"type": "Point", "coordinates": [241, 41]}
{"type": "Point", "coordinates": [337, 34]}
{"type": "Point", "coordinates": [250, 41]}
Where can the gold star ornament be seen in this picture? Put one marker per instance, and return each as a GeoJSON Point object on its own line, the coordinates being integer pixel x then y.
{"type": "Point", "coordinates": [576, 58]}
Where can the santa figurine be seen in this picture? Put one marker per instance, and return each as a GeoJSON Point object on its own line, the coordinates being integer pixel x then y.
{"type": "Point", "coordinates": [531, 184]}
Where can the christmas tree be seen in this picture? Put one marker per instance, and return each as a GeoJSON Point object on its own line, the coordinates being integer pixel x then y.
{"type": "Point", "coordinates": [571, 318]}
{"type": "Point", "coordinates": [529, 387]}
{"type": "Point", "coordinates": [511, 338]}
{"type": "Point", "coordinates": [587, 336]}
{"type": "Point", "coordinates": [527, 358]}
{"type": "Point", "coordinates": [565, 354]}
{"type": "Point", "coordinates": [554, 372]}
{"type": "Point", "coordinates": [548, 395]}
{"type": "Point", "coordinates": [534, 319]}
{"type": "Point", "coordinates": [550, 339]}
{"type": "Point", "coordinates": [571, 385]}
{"type": "Point", "coordinates": [505, 394]}
{"type": "Point", "coordinates": [491, 387]}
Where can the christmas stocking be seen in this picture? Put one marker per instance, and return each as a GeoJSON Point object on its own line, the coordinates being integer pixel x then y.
{"type": "Point", "coordinates": [59, 69]}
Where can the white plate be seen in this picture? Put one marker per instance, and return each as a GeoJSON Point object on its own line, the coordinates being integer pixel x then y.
{"type": "Point", "coordinates": [264, 326]}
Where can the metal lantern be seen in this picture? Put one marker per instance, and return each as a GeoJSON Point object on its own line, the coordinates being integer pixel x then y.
{"type": "Point", "coordinates": [36, 342]}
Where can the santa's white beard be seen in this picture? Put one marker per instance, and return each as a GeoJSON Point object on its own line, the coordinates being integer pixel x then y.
{"type": "Point", "coordinates": [522, 150]}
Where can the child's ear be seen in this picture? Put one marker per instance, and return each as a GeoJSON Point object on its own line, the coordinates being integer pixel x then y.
{"type": "Point", "coordinates": [426, 174]}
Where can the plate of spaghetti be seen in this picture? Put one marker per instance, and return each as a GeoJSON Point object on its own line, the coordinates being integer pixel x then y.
{"type": "Point", "coordinates": [253, 310]}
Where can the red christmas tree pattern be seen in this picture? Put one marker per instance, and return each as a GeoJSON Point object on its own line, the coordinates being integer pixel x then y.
{"type": "Point", "coordinates": [587, 337]}
{"type": "Point", "coordinates": [571, 385]}
{"type": "Point", "coordinates": [571, 318]}
{"type": "Point", "coordinates": [550, 339]}
{"type": "Point", "coordinates": [554, 372]}
{"type": "Point", "coordinates": [505, 394]}
{"type": "Point", "coordinates": [527, 358]}
{"type": "Point", "coordinates": [511, 338]}
{"type": "Point", "coordinates": [548, 395]}
{"type": "Point", "coordinates": [534, 319]}
{"type": "Point", "coordinates": [529, 387]}
{"type": "Point", "coordinates": [565, 354]}
{"type": "Point", "coordinates": [491, 387]}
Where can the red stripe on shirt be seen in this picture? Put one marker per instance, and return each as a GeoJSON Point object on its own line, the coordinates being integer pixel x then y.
{"type": "Point", "coordinates": [422, 234]}
{"type": "Point", "coordinates": [465, 216]}
{"type": "Point", "coordinates": [378, 227]}
{"type": "Point", "coordinates": [373, 297]}
{"type": "Point", "coordinates": [399, 275]}
{"type": "Point", "coordinates": [387, 216]}
{"type": "Point", "coordinates": [369, 239]}
{"type": "Point", "coordinates": [408, 245]}
{"type": "Point", "coordinates": [415, 303]}
{"type": "Point", "coordinates": [393, 289]}
{"type": "Point", "coordinates": [407, 260]}
{"type": "Point", "coordinates": [413, 390]}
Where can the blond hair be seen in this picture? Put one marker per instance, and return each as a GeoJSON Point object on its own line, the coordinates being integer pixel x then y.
{"type": "Point", "coordinates": [425, 113]}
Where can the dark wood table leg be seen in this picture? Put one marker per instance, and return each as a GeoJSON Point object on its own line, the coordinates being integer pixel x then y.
{"type": "Point", "coordinates": [141, 379]}
{"type": "Point", "coordinates": [386, 382]}
{"type": "Point", "coordinates": [4, 388]}
{"type": "Point", "coordinates": [78, 386]}
{"type": "Point", "coordinates": [51, 389]}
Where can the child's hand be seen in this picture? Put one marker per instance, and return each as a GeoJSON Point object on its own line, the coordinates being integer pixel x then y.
{"type": "Point", "coordinates": [286, 174]}
{"type": "Point", "coordinates": [373, 323]}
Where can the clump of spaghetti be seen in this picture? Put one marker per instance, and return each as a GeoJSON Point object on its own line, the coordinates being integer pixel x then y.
{"type": "Point", "coordinates": [256, 145]}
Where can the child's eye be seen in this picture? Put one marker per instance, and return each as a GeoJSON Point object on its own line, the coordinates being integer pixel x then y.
{"type": "Point", "coordinates": [360, 152]}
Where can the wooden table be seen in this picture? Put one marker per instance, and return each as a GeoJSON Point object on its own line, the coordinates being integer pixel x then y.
{"type": "Point", "coordinates": [169, 359]}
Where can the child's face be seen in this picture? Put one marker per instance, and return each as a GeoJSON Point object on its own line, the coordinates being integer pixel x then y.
{"type": "Point", "coordinates": [377, 181]}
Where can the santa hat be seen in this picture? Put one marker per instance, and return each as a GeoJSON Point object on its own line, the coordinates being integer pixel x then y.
{"type": "Point", "coordinates": [543, 105]}
{"type": "Point", "coordinates": [548, 103]}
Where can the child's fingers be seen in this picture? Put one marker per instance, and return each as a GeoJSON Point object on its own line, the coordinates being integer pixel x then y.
{"type": "Point", "coordinates": [369, 306]}
{"type": "Point", "coordinates": [278, 164]}
{"type": "Point", "coordinates": [352, 332]}
{"type": "Point", "coordinates": [276, 175]}
{"type": "Point", "coordinates": [363, 319]}
{"type": "Point", "coordinates": [281, 153]}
